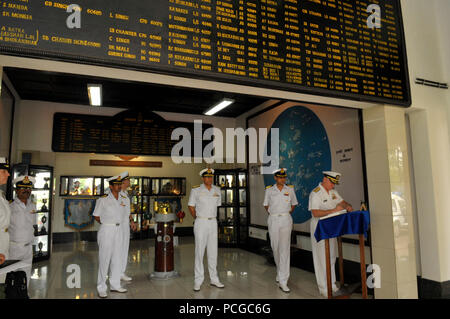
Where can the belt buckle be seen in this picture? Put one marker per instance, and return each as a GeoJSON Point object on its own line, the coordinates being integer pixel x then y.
{"type": "Point", "coordinates": [6, 230]}
{"type": "Point", "coordinates": [117, 224]}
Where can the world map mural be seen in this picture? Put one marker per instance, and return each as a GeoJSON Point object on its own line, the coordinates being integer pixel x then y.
{"type": "Point", "coordinates": [304, 152]}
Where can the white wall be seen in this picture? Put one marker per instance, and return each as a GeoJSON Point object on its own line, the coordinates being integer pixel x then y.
{"type": "Point", "coordinates": [428, 47]}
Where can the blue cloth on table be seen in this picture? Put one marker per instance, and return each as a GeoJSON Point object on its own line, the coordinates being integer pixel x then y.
{"type": "Point", "coordinates": [346, 224]}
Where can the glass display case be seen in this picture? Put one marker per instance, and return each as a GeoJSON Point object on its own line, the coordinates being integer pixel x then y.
{"type": "Point", "coordinates": [142, 191]}
{"type": "Point", "coordinates": [42, 196]}
{"type": "Point", "coordinates": [232, 214]}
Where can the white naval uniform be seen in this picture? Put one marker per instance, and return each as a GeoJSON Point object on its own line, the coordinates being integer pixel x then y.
{"type": "Point", "coordinates": [205, 230]}
{"type": "Point", "coordinates": [125, 227]}
{"type": "Point", "coordinates": [109, 238]}
{"type": "Point", "coordinates": [319, 199]}
{"type": "Point", "coordinates": [21, 233]}
{"type": "Point", "coordinates": [280, 227]}
{"type": "Point", "coordinates": [5, 215]}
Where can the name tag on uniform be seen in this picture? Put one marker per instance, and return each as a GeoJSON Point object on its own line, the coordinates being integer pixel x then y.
{"type": "Point", "coordinates": [286, 194]}
{"type": "Point", "coordinates": [333, 197]}
{"type": "Point", "coordinates": [216, 195]}
{"type": "Point", "coordinates": [325, 200]}
{"type": "Point", "coordinates": [122, 204]}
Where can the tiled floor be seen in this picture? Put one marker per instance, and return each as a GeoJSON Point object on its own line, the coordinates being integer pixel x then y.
{"type": "Point", "coordinates": [245, 275]}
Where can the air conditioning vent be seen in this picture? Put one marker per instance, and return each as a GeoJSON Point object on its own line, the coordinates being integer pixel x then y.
{"type": "Point", "coordinates": [432, 83]}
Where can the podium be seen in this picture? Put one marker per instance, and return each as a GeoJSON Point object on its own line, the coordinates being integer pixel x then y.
{"type": "Point", "coordinates": [351, 223]}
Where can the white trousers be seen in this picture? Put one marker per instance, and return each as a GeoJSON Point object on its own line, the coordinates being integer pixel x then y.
{"type": "Point", "coordinates": [280, 228]}
{"type": "Point", "coordinates": [205, 233]}
{"type": "Point", "coordinates": [109, 239]}
{"type": "Point", "coordinates": [125, 227]}
{"type": "Point", "coordinates": [18, 251]}
{"type": "Point", "coordinates": [320, 265]}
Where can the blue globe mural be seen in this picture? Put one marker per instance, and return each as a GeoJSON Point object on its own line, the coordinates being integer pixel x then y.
{"type": "Point", "coordinates": [304, 152]}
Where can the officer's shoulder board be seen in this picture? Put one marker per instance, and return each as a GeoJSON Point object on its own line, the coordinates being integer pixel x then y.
{"type": "Point", "coordinates": [267, 187]}
{"type": "Point", "coordinates": [10, 201]}
{"type": "Point", "coordinates": [196, 186]}
{"type": "Point", "coordinates": [316, 190]}
{"type": "Point", "coordinates": [103, 196]}
{"type": "Point", "coordinates": [123, 196]}
{"type": "Point", "coordinates": [291, 186]}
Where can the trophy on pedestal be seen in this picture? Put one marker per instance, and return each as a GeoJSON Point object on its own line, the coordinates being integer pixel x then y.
{"type": "Point", "coordinates": [46, 179]}
{"type": "Point", "coordinates": [44, 207]}
{"type": "Point", "coordinates": [43, 229]}
{"type": "Point", "coordinates": [40, 246]}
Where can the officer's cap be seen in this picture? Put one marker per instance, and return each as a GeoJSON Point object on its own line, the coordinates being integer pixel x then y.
{"type": "Point", "coordinates": [281, 172]}
{"type": "Point", "coordinates": [4, 163]}
{"type": "Point", "coordinates": [24, 182]}
{"type": "Point", "coordinates": [332, 176]}
{"type": "Point", "coordinates": [125, 176]}
{"type": "Point", "coordinates": [207, 172]}
{"type": "Point", "coordinates": [115, 180]}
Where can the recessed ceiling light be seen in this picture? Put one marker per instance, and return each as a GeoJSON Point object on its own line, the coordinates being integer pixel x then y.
{"type": "Point", "coordinates": [95, 94]}
{"type": "Point", "coordinates": [223, 104]}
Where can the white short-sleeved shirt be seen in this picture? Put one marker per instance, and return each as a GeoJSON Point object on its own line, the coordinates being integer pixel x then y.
{"type": "Point", "coordinates": [22, 220]}
{"type": "Point", "coordinates": [124, 196]}
{"type": "Point", "coordinates": [110, 210]}
{"type": "Point", "coordinates": [5, 215]}
{"type": "Point", "coordinates": [205, 201]}
{"type": "Point", "coordinates": [280, 202]}
{"type": "Point", "coordinates": [320, 199]}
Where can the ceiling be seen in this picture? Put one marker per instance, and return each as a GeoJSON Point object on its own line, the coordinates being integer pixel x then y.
{"type": "Point", "coordinates": [70, 88]}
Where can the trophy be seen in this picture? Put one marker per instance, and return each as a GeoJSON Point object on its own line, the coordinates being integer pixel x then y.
{"type": "Point", "coordinates": [36, 232]}
{"type": "Point", "coordinates": [44, 207]}
{"type": "Point", "coordinates": [40, 246]}
{"type": "Point", "coordinates": [222, 182]}
{"type": "Point", "coordinates": [43, 229]}
{"type": "Point", "coordinates": [46, 179]}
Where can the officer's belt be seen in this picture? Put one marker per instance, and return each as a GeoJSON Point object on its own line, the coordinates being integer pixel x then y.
{"type": "Point", "coordinates": [208, 218]}
{"type": "Point", "coordinates": [21, 244]}
{"type": "Point", "coordinates": [117, 224]}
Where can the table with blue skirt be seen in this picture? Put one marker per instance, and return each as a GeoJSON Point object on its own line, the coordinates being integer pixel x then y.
{"type": "Point", "coordinates": [351, 223]}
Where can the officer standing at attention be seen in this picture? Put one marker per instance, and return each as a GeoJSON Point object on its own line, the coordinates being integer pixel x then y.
{"type": "Point", "coordinates": [280, 202]}
{"type": "Point", "coordinates": [21, 231]}
{"type": "Point", "coordinates": [5, 214]}
{"type": "Point", "coordinates": [203, 202]}
{"type": "Point", "coordinates": [325, 200]}
{"type": "Point", "coordinates": [109, 212]}
{"type": "Point", "coordinates": [125, 225]}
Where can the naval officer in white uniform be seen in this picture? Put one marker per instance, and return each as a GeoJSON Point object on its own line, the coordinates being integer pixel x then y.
{"type": "Point", "coordinates": [5, 214]}
{"type": "Point", "coordinates": [109, 212]}
{"type": "Point", "coordinates": [23, 217]}
{"type": "Point", "coordinates": [280, 202]}
{"type": "Point", "coordinates": [325, 200]}
{"type": "Point", "coordinates": [203, 203]}
{"type": "Point", "coordinates": [125, 225]}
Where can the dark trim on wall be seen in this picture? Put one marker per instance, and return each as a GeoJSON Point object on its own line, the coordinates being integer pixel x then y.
{"type": "Point", "coordinates": [430, 289]}
{"type": "Point", "coordinates": [91, 236]}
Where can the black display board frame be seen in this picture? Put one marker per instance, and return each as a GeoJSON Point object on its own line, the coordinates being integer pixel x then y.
{"type": "Point", "coordinates": [225, 78]}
